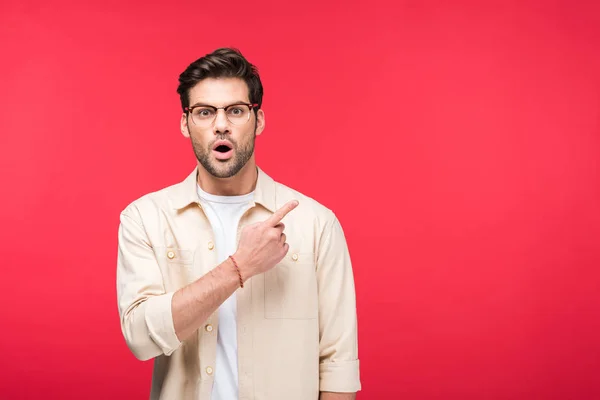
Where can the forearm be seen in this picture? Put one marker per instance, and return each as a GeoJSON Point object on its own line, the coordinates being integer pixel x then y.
{"type": "Point", "coordinates": [337, 396]}
{"type": "Point", "coordinates": [194, 303]}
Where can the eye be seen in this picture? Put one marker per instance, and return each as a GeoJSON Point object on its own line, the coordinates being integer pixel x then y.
{"type": "Point", "coordinates": [204, 112]}
{"type": "Point", "coordinates": [236, 111]}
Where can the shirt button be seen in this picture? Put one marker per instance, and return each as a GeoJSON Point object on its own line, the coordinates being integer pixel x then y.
{"type": "Point", "coordinates": [171, 255]}
{"type": "Point", "coordinates": [295, 257]}
{"type": "Point", "coordinates": [211, 245]}
{"type": "Point", "coordinates": [208, 328]}
{"type": "Point", "coordinates": [209, 370]}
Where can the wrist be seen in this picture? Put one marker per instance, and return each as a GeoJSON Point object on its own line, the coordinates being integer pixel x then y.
{"type": "Point", "coordinates": [226, 272]}
{"type": "Point", "coordinates": [243, 266]}
{"type": "Point", "coordinates": [237, 270]}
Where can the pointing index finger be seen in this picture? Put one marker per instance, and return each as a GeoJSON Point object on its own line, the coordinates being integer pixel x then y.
{"type": "Point", "coordinates": [282, 212]}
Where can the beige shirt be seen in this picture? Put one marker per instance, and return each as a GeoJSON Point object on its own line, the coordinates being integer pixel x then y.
{"type": "Point", "coordinates": [296, 323]}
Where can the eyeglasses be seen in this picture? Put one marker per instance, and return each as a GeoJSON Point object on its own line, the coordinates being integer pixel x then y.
{"type": "Point", "coordinates": [205, 115]}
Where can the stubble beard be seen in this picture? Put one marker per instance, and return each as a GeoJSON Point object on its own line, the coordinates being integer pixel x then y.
{"type": "Point", "coordinates": [224, 169]}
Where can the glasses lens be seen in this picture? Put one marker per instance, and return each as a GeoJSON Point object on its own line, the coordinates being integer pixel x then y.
{"type": "Point", "coordinates": [203, 115]}
{"type": "Point", "coordinates": [238, 114]}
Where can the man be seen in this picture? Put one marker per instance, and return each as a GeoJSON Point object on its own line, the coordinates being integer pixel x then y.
{"type": "Point", "coordinates": [209, 285]}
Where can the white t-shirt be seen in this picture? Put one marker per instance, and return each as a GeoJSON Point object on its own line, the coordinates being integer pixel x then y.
{"type": "Point", "coordinates": [224, 213]}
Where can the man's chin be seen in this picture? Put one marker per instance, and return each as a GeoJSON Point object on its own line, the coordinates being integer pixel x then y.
{"type": "Point", "coordinates": [222, 169]}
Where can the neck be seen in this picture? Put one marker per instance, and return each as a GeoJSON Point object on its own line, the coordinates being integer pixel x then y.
{"type": "Point", "coordinates": [241, 183]}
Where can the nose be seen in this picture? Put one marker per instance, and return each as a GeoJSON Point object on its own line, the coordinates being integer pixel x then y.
{"type": "Point", "coordinates": [221, 123]}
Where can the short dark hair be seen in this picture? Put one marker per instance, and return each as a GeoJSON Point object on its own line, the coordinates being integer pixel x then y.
{"type": "Point", "coordinates": [221, 63]}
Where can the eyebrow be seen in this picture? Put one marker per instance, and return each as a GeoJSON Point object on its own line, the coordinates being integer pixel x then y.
{"type": "Point", "coordinates": [210, 105]}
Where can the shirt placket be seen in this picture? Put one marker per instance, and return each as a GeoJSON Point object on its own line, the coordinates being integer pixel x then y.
{"type": "Point", "coordinates": [207, 333]}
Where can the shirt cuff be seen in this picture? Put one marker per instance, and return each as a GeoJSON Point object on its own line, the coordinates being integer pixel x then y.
{"type": "Point", "coordinates": [342, 377]}
{"type": "Point", "coordinates": [159, 320]}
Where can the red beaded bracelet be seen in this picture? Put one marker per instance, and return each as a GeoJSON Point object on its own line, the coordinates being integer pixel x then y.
{"type": "Point", "coordinates": [238, 271]}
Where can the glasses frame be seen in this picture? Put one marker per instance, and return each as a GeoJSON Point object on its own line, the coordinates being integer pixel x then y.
{"type": "Point", "coordinates": [190, 110]}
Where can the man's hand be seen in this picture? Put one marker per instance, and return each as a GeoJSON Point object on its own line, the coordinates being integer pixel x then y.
{"type": "Point", "coordinates": [262, 245]}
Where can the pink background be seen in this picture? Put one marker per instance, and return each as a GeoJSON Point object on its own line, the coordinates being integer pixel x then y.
{"type": "Point", "coordinates": [458, 143]}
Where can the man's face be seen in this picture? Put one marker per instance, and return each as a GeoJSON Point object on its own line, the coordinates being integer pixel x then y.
{"type": "Point", "coordinates": [206, 136]}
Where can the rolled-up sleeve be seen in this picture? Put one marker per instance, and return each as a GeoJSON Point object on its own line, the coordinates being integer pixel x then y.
{"type": "Point", "coordinates": [338, 345]}
{"type": "Point", "coordinates": [144, 306]}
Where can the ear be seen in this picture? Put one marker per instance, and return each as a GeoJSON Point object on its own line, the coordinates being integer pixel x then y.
{"type": "Point", "coordinates": [260, 121]}
{"type": "Point", "coordinates": [185, 130]}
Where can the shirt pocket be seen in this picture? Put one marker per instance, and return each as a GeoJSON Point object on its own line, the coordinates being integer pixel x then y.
{"type": "Point", "coordinates": [177, 266]}
{"type": "Point", "coordinates": [291, 288]}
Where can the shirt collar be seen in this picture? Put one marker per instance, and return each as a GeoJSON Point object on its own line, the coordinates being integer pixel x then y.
{"type": "Point", "coordinates": [184, 193]}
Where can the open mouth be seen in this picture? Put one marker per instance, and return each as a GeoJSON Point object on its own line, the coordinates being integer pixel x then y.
{"type": "Point", "coordinates": [223, 150]}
